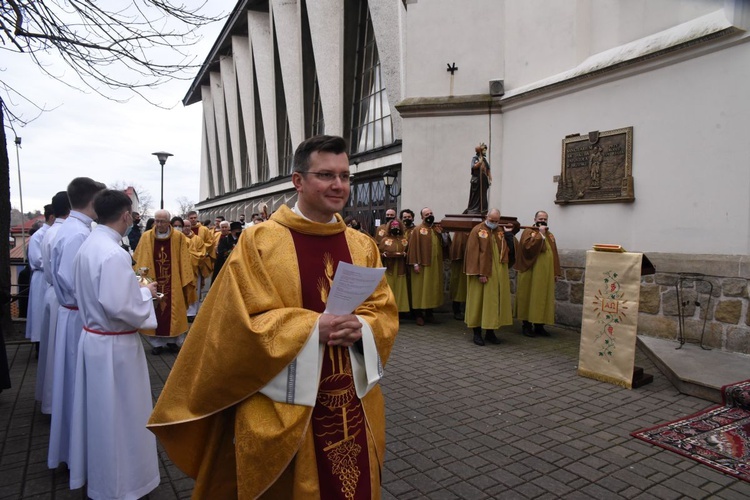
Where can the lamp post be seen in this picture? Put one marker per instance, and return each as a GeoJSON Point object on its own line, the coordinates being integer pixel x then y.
{"type": "Point", "coordinates": [162, 156]}
{"type": "Point", "coordinates": [389, 179]}
{"type": "Point", "coordinates": [17, 142]}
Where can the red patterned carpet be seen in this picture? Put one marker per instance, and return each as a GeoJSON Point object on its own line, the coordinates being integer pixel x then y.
{"type": "Point", "coordinates": [718, 437]}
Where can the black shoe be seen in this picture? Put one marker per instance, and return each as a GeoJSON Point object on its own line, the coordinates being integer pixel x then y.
{"type": "Point", "coordinates": [539, 330]}
{"type": "Point", "coordinates": [526, 329]}
{"type": "Point", "coordinates": [458, 316]}
{"type": "Point", "coordinates": [191, 319]}
{"type": "Point", "coordinates": [173, 347]}
{"type": "Point", "coordinates": [478, 339]}
{"type": "Point", "coordinates": [491, 338]}
{"type": "Point", "coordinates": [156, 351]}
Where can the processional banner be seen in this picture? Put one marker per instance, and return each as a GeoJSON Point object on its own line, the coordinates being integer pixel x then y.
{"type": "Point", "coordinates": [610, 316]}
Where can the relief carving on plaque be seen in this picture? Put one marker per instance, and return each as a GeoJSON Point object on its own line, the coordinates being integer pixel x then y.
{"type": "Point", "coordinates": [597, 168]}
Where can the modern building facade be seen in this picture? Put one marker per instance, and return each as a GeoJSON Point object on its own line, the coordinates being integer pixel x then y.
{"type": "Point", "coordinates": [282, 71]}
{"type": "Point", "coordinates": [415, 85]}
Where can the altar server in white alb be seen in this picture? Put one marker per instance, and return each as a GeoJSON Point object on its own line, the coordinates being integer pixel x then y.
{"type": "Point", "coordinates": [70, 237]}
{"type": "Point", "coordinates": [45, 367]}
{"type": "Point", "coordinates": [37, 285]}
{"type": "Point", "coordinates": [110, 445]}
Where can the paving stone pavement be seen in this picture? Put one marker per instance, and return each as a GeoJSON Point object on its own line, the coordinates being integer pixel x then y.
{"type": "Point", "coordinates": [464, 422]}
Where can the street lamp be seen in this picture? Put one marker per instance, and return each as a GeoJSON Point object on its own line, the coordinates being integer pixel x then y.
{"type": "Point", "coordinates": [389, 178]}
{"type": "Point", "coordinates": [162, 156]}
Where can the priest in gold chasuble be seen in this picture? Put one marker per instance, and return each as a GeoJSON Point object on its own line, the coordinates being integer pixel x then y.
{"type": "Point", "coordinates": [166, 255]}
{"type": "Point", "coordinates": [270, 397]}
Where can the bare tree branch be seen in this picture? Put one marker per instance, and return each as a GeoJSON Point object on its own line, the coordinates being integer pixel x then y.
{"type": "Point", "coordinates": [126, 48]}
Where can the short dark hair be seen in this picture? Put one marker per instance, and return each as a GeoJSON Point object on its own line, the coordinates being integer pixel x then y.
{"type": "Point", "coordinates": [48, 212]}
{"type": "Point", "coordinates": [192, 212]}
{"type": "Point", "coordinates": [82, 190]}
{"type": "Point", "coordinates": [207, 222]}
{"type": "Point", "coordinates": [540, 212]}
{"type": "Point", "coordinates": [61, 204]}
{"type": "Point", "coordinates": [405, 211]}
{"type": "Point", "coordinates": [176, 218]}
{"type": "Point", "coordinates": [233, 226]}
{"type": "Point", "coordinates": [321, 143]}
{"type": "Point", "coordinates": [110, 204]}
{"type": "Point", "coordinates": [220, 217]}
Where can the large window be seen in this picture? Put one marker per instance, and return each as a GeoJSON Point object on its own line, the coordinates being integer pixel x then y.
{"type": "Point", "coordinates": [317, 125]}
{"type": "Point", "coordinates": [371, 126]}
{"type": "Point", "coordinates": [286, 155]}
{"type": "Point", "coordinates": [367, 202]}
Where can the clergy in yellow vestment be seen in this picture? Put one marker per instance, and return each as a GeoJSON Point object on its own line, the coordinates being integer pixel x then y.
{"type": "Point", "coordinates": [538, 267]}
{"type": "Point", "coordinates": [199, 260]}
{"type": "Point", "coordinates": [490, 250]}
{"type": "Point", "coordinates": [425, 255]}
{"type": "Point", "coordinates": [392, 248]}
{"type": "Point", "coordinates": [204, 234]}
{"type": "Point", "coordinates": [165, 253]}
{"type": "Point", "coordinates": [261, 402]}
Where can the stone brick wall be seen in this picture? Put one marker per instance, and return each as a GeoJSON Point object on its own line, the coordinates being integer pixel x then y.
{"type": "Point", "coordinates": [726, 314]}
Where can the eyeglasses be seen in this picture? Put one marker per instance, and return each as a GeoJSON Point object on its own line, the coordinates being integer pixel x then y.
{"type": "Point", "coordinates": [345, 177]}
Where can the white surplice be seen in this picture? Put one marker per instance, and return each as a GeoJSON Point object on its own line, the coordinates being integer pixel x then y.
{"type": "Point", "coordinates": [36, 286]}
{"type": "Point", "coordinates": [111, 447]}
{"type": "Point", "coordinates": [45, 365]}
{"type": "Point", "coordinates": [70, 237]}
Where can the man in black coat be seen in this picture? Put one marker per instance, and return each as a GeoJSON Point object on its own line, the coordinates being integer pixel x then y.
{"type": "Point", "coordinates": [225, 247]}
{"type": "Point", "coordinates": [134, 235]}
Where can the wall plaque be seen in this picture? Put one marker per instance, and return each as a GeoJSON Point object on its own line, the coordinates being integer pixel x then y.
{"type": "Point", "coordinates": [597, 168]}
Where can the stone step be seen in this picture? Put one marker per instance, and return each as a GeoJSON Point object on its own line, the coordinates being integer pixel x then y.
{"type": "Point", "coordinates": [693, 370]}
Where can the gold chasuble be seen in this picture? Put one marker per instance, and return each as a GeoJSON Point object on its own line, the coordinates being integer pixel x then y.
{"type": "Point", "coordinates": [207, 238]}
{"type": "Point", "coordinates": [196, 248]}
{"type": "Point", "coordinates": [211, 417]}
{"type": "Point", "coordinates": [169, 264]}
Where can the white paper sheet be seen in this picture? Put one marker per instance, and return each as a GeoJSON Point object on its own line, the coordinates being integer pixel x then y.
{"type": "Point", "coordinates": [351, 286]}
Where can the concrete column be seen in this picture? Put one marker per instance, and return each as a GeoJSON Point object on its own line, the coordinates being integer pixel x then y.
{"type": "Point", "coordinates": [222, 135]}
{"type": "Point", "coordinates": [286, 20]}
{"type": "Point", "coordinates": [259, 27]}
{"type": "Point", "coordinates": [386, 21]}
{"type": "Point", "coordinates": [231, 99]}
{"type": "Point", "coordinates": [326, 19]}
{"type": "Point", "coordinates": [209, 122]}
{"type": "Point", "coordinates": [243, 66]}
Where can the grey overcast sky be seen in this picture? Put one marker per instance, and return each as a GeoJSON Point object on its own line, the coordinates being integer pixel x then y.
{"type": "Point", "coordinates": [88, 135]}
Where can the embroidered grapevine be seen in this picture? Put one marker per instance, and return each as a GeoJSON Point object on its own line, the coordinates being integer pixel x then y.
{"type": "Point", "coordinates": [610, 313]}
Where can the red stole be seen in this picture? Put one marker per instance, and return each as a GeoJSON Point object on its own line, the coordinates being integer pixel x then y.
{"type": "Point", "coordinates": [163, 271]}
{"type": "Point", "coordinates": [338, 419]}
